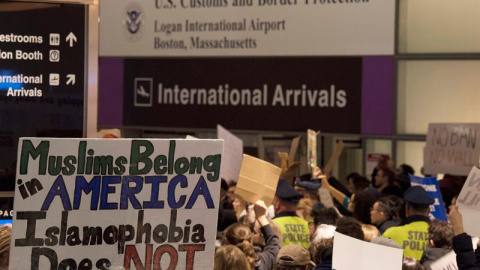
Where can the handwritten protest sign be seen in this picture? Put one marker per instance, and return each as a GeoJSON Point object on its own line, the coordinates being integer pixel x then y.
{"type": "Point", "coordinates": [430, 184]}
{"type": "Point", "coordinates": [469, 203]}
{"type": "Point", "coordinates": [115, 204]}
{"type": "Point", "coordinates": [258, 180]}
{"type": "Point", "coordinates": [366, 256]}
{"type": "Point", "coordinates": [232, 154]}
{"type": "Point", "coordinates": [312, 148]}
{"type": "Point", "coordinates": [451, 148]}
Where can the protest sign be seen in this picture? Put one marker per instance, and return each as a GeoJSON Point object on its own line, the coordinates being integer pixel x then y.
{"type": "Point", "coordinates": [446, 262]}
{"type": "Point", "coordinates": [258, 180]}
{"type": "Point", "coordinates": [451, 148]}
{"type": "Point", "coordinates": [312, 148]}
{"type": "Point", "coordinates": [232, 154]}
{"type": "Point", "coordinates": [449, 260]}
{"type": "Point", "coordinates": [469, 203]}
{"type": "Point", "coordinates": [293, 148]}
{"type": "Point", "coordinates": [430, 184]}
{"type": "Point", "coordinates": [333, 159]}
{"type": "Point", "coordinates": [116, 204]}
{"type": "Point", "coordinates": [190, 137]}
{"type": "Point", "coordinates": [366, 256]}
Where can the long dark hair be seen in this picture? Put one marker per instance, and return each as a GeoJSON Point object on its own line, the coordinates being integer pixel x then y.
{"type": "Point", "coordinates": [362, 203]}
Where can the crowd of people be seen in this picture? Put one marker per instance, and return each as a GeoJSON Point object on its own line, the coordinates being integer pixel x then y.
{"type": "Point", "coordinates": [297, 230]}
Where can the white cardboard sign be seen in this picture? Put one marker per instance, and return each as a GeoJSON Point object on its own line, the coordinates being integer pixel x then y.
{"type": "Point", "coordinates": [121, 203]}
{"type": "Point", "coordinates": [364, 255]}
{"type": "Point", "coordinates": [232, 154]}
{"type": "Point", "coordinates": [469, 203]}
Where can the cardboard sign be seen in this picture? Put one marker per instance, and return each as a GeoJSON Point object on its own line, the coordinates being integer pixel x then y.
{"type": "Point", "coordinates": [312, 148]}
{"type": "Point", "coordinates": [121, 203]}
{"type": "Point", "coordinates": [469, 203]}
{"type": "Point", "coordinates": [333, 159]}
{"type": "Point", "coordinates": [366, 256]}
{"type": "Point", "coordinates": [430, 184]}
{"type": "Point", "coordinates": [452, 148]}
{"type": "Point", "coordinates": [232, 154]}
{"type": "Point", "coordinates": [258, 180]}
{"type": "Point", "coordinates": [293, 148]}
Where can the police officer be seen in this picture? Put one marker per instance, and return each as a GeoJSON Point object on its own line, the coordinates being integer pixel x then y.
{"type": "Point", "coordinates": [295, 230]}
{"type": "Point", "coordinates": [412, 234]}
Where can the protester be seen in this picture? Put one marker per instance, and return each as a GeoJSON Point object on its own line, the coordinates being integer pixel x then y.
{"type": "Point", "coordinates": [346, 225]}
{"type": "Point", "coordinates": [404, 170]}
{"type": "Point", "coordinates": [241, 236]}
{"type": "Point", "coordinates": [412, 235]}
{"type": "Point", "coordinates": [440, 242]}
{"type": "Point", "coordinates": [304, 209]}
{"type": "Point", "coordinates": [360, 206]}
{"type": "Point", "coordinates": [411, 264]}
{"type": "Point", "coordinates": [294, 257]}
{"type": "Point", "coordinates": [325, 216]}
{"type": "Point", "coordinates": [321, 240]}
{"type": "Point", "coordinates": [285, 204]}
{"type": "Point", "coordinates": [5, 234]}
{"type": "Point", "coordinates": [231, 191]}
{"type": "Point", "coordinates": [384, 178]}
{"type": "Point", "coordinates": [230, 257]}
{"type": "Point", "coordinates": [384, 213]}
{"type": "Point", "coordinates": [226, 213]}
{"type": "Point", "coordinates": [357, 183]}
{"type": "Point", "coordinates": [385, 242]}
{"type": "Point", "coordinates": [462, 242]}
{"type": "Point", "coordinates": [370, 232]}
{"type": "Point", "coordinates": [383, 162]}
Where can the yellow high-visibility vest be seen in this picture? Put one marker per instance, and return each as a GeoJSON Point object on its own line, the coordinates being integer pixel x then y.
{"type": "Point", "coordinates": [295, 230]}
{"type": "Point", "coordinates": [412, 237]}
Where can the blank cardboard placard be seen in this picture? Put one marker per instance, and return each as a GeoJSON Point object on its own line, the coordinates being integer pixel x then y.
{"type": "Point", "coordinates": [333, 159]}
{"type": "Point", "coordinates": [232, 154]}
{"type": "Point", "coordinates": [293, 148]}
{"type": "Point", "coordinates": [366, 256]}
{"type": "Point", "coordinates": [257, 180]}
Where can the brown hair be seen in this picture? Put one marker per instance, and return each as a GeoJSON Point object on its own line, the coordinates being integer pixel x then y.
{"type": "Point", "coordinates": [258, 239]}
{"type": "Point", "coordinates": [370, 232]}
{"type": "Point", "coordinates": [441, 233]}
{"type": "Point", "coordinates": [230, 257]}
{"type": "Point", "coordinates": [240, 235]}
{"type": "Point", "coordinates": [411, 264]}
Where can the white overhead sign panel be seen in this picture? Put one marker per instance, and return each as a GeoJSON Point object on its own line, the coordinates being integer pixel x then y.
{"type": "Point", "coordinates": [246, 27]}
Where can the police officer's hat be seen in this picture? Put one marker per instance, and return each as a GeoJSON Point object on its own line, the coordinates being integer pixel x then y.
{"type": "Point", "coordinates": [417, 196]}
{"type": "Point", "coordinates": [309, 185]}
{"type": "Point", "coordinates": [287, 192]}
